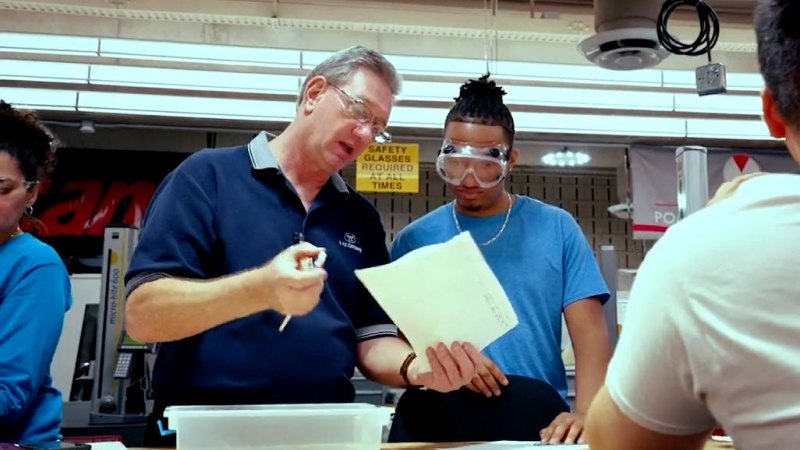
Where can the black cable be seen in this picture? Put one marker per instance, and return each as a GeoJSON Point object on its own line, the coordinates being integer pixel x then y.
{"type": "Point", "coordinates": [706, 38]}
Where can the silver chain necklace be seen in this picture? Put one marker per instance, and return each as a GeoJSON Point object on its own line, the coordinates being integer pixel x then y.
{"type": "Point", "coordinates": [502, 227]}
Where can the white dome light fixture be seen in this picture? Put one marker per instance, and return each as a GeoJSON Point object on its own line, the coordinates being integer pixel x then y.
{"type": "Point", "coordinates": [626, 37]}
{"type": "Point", "coordinates": [566, 158]}
{"type": "Point", "coordinates": [625, 49]}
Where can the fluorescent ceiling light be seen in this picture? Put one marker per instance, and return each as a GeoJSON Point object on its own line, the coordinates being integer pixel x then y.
{"type": "Point", "coordinates": [566, 158]}
{"type": "Point", "coordinates": [600, 124]}
{"type": "Point", "coordinates": [588, 98]}
{"type": "Point", "coordinates": [15, 69]}
{"type": "Point", "coordinates": [173, 105]}
{"type": "Point", "coordinates": [468, 68]}
{"type": "Point", "coordinates": [433, 118]}
{"type": "Point", "coordinates": [404, 116]}
{"type": "Point", "coordinates": [601, 88]}
{"type": "Point", "coordinates": [48, 43]}
{"type": "Point", "coordinates": [269, 57]}
{"type": "Point", "coordinates": [312, 58]}
{"type": "Point", "coordinates": [474, 68]}
{"type": "Point", "coordinates": [719, 104]}
{"type": "Point", "coordinates": [421, 65]}
{"type": "Point", "coordinates": [546, 96]}
{"type": "Point", "coordinates": [414, 90]}
{"type": "Point", "coordinates": [577, 74]}
{"type": "Point", "coordinates": [194, 79]}
{"type": "Point", "coordinates": [679, 79]}
{"type": "Point", "coordinates": [202, 53]}
{"type": "Point", "coordinates": [745, 81]}
{"type": "Point", "coordinates": [727, 129]}
{"type": "Point", "coordinates": [42, 99]}
{"type": "Point", "coordinates": [432, 91]}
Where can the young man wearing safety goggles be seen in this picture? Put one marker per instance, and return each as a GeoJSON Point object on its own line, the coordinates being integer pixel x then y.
{"type": "Point", "coordinates": [537, 251]}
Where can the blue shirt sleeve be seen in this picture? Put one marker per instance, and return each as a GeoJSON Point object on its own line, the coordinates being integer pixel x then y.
{"type": "Point", "coordinates": [178, 234]}
{"type": "Point", "coordinates": [582, 277]}
{"type": "Point", "coordinates": [32, 318]}
{"type": "Point", "coordinates": [399, 246]}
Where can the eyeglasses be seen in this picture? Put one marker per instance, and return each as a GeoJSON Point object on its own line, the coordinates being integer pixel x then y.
{"type": "Point", "coordinates": [9, 185]}
{"type": "Point", "coordinates": [358, 110]}
{"type": "Point", "coordinates": [489, 165]}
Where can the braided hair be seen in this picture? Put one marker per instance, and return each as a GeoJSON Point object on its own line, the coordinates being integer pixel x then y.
{"type": "Point", "coordinates": [481, 101]}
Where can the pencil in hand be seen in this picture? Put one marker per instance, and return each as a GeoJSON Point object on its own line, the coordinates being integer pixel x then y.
{"type": "Point", "coordinates": [305, 264]}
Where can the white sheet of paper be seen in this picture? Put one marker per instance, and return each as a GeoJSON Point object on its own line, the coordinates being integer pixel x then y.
{"type": "Point", "coordinates": [107, 446]}
{"type": "Point", "coordinates": [522, 445]}
{"type": "Point", "coordinates": [442, 293]}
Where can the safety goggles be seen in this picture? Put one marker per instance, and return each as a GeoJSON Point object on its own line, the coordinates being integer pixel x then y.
{"type": "Point", "coordinates": [488, 165]}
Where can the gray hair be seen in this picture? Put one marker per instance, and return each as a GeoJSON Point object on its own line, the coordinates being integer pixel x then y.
{"type": "Point", "coordinates": [339, 68]}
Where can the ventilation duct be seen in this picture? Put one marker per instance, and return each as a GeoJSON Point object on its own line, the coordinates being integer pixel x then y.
{"type": "Point", "coordinates": [626, 36]}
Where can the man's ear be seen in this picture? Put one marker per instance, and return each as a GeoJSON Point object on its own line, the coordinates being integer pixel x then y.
{"type": "Point", "coordinates": [512, 158]}
{"type": "Point", "coordinates": [313, 92]}
{"type": "Point", "coordinates": [773, 117]}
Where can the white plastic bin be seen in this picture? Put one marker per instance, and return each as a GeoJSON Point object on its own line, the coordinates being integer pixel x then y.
{"type": "Point", "coordinates": [352, 426]}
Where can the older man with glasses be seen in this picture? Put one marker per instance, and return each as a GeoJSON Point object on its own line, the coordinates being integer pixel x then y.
{"type": "Point", "coordinates": [232, 246]}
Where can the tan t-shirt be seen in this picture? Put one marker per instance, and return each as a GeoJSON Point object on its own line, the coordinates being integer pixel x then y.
{"type": "Point", "coordinates": [712, 332]}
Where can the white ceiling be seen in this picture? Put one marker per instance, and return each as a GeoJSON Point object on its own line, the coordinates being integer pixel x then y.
{"type": "Point", "coordinates": [443, 28]}
{"type": "Point", "coordinates": [727, 9]}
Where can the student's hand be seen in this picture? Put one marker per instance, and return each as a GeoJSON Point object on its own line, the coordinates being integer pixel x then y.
{"type": "Point", "coordinates": [290, 286]}
{"type": "Point", "coordinates": [488, 378]}
{"type": "Point", "coordinates": [452, 368]}
{"type": "Point", "coordinates": [566, 428]}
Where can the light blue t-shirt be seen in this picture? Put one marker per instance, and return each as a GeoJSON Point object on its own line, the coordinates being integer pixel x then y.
{"type": "Point", "coordinates": [544, 263]}
{"type": "Point", "coordinates": [35, 293]}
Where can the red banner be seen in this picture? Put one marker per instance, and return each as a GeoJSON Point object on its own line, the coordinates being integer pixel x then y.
{"type": "Point", "coordinates": [91, 189]}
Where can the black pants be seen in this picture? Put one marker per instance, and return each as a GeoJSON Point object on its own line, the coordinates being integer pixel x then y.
{"type": "Point", "coordinates": [152, 436]}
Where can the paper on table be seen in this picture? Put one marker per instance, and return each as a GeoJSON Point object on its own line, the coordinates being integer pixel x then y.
{"type": "Point", "coordinates": [442, 293]}
{"type": "Point", "coordinates": [107, 446]}
{"type": "Point", "coordinates": [521, 445]}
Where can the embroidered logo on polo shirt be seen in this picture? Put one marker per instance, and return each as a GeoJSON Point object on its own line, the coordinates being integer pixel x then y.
{"type": "Point", "coordinates": [350, 242]}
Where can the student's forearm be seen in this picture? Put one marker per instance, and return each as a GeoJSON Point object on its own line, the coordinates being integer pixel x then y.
{"type": "Point", "coordinates": [169, 309]}
{"type": "Point", "coordinates": [590, 372]}
{"type": "Point", "coordinates": [592, 353]}
{"type": "Point", "coordinates": [589, 334]}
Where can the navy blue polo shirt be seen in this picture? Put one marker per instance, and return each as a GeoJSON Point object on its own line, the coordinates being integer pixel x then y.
{"type": "Point", "coordinates": [224, 211]}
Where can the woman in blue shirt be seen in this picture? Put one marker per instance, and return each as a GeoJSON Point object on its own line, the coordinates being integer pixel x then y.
{"type": "Point", "coordinates": [35, 289]}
